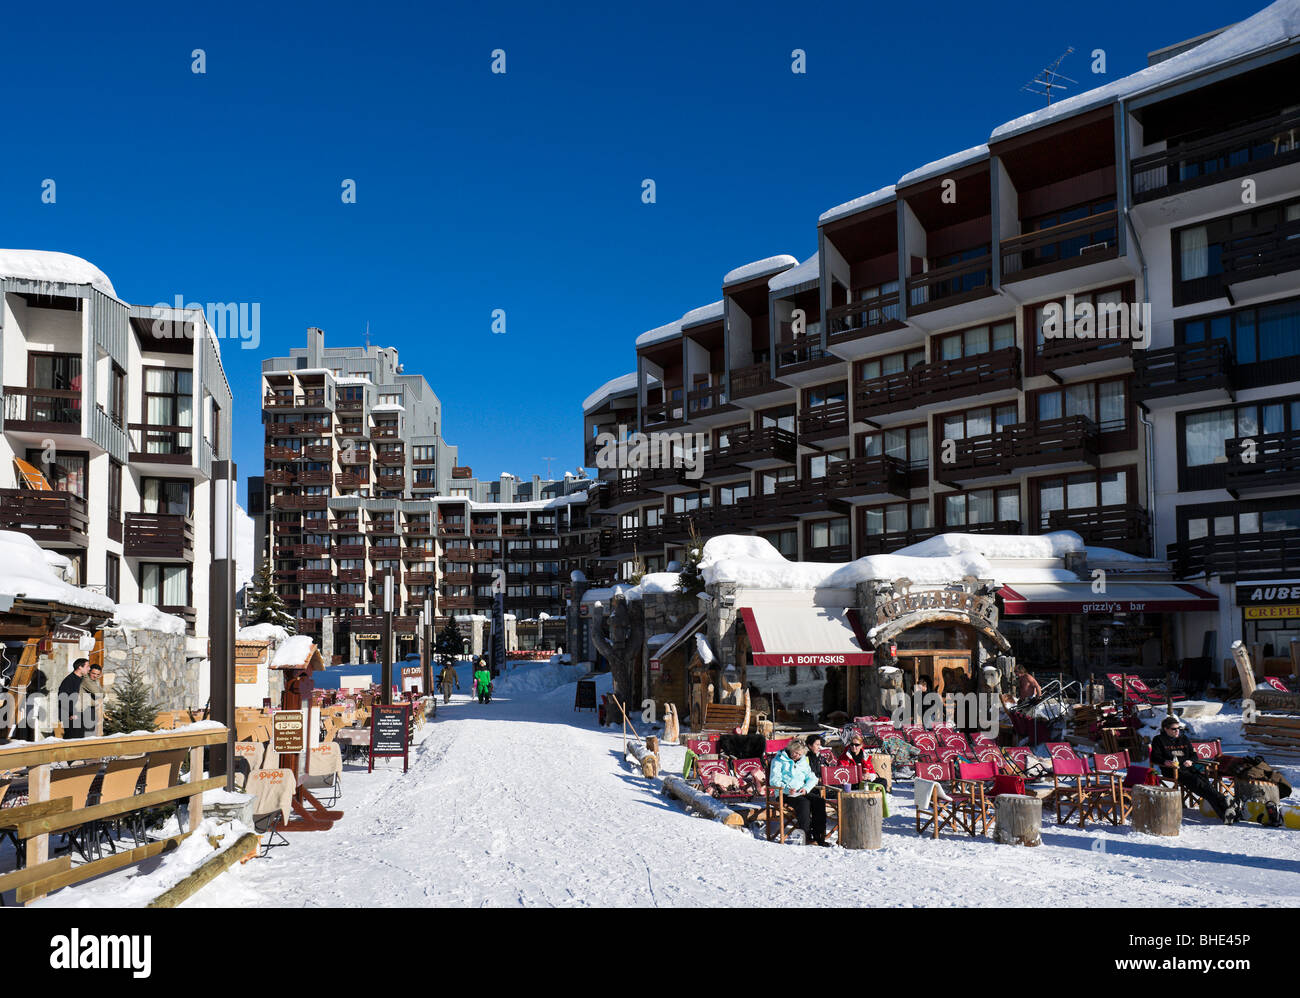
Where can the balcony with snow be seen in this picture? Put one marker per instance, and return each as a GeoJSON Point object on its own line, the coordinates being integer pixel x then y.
{"type": "Point", "coordinates": [750, 335]}
{"type": "Point", "coordinates": [946, 241]}
{"type": "Point", "coordinates": [660, 370]}
{"type": "Point", "coordinates": [1058, 213]}
{"type": "Point", "coordinates": [798, 333]}
{"type": "Point", "coordinates": [704, 355]}
{"type": "Point", "coordinates": [859, 254]}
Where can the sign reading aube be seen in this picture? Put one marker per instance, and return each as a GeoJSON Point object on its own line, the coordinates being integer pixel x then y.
{"type": "Point", "coordinates": [959, 600]}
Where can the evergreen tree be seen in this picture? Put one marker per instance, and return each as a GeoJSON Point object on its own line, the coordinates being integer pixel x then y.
{"type": "Point", "coordinates": [450, 644]}
{"type": "Point", "coordinates": [265, 605]}
{"type": "Point", "coordinates": [691, 580]}
{"type": "Point", "coordinates": [130, 707]}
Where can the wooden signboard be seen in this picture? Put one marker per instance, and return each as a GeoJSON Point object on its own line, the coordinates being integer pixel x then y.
{"type": "Point", "coordinates": [584, 697]}
{"type": "Point", "coordinates": [287, 732]}
{"type": "Point", "coordinates": [390, 728]}
{"type": "Point", "coordinates": [246, 674]}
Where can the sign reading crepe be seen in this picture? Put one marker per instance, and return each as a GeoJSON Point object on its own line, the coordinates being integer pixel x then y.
{"type": "Point", "coordinates": [287, 730]}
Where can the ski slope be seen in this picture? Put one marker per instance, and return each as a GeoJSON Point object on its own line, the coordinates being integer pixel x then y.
{"type": "Point", "coordinates": [524, 802]}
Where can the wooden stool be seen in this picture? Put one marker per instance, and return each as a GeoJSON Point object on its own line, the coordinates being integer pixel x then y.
{"type": "Point", "coordinates": [1157, 810]}
{"type": "Point", "coordinates": [1019, 820]}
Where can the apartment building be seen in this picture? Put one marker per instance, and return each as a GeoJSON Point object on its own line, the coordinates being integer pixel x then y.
{"type": "Point", "coordinates": [359, 485]}
{"type": "Point", "coordinates": [907, 378]}
{"type": "Point", "coordinates": [126, 411]}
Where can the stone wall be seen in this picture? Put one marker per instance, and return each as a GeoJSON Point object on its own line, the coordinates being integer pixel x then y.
{"type": "Point", "coordinates": [172, 677]}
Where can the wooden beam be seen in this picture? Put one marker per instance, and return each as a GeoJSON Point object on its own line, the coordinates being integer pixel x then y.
{"type": "Point", "coordinates": [78, 749]}
{"type": "Point", "coordinates": [196, 772]}
{"type": "Point", "coordinates": [99, 867]}
{"type": "Point", "coordinates": [111, 809]}
{"type": "Point", "coordinates": [38, 790]}
{"type": "Point", "coordinates": [21, 878]}
{"type": "Point", "coordinates": [12, 817]}
{"type": "Point", "coordinates": [207, 872]}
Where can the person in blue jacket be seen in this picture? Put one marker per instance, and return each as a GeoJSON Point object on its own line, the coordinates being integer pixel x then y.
{"type": "Point", "coordinates": [791, 773]}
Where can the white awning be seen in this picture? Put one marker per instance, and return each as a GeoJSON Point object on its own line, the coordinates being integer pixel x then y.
{"type": "Point", "coordinates": [783, 636]}
{"type": "Point", "coordinates": [692, 625]}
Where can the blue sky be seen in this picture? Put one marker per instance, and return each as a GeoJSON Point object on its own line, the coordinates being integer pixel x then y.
{"type": "Point", "coordinates": [519, 191]}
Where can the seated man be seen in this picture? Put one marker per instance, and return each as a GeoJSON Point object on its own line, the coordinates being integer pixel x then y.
{"type": "Point", "coordinates": [791, 773]}
{"type": "Point", "coordinates": [1172, 752]}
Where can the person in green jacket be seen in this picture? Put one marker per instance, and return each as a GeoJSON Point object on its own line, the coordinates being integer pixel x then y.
{"type": "Point", "coordinates": [482, 681]}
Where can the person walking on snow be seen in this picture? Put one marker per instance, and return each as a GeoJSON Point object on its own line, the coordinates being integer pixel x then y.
{"type": "Point", "coordinates": [482, 681]}
{"type": "Point", "coordinates": [448, 679]}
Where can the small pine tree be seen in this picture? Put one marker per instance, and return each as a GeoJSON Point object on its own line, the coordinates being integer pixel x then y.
{"type": "Point", "coordinates": [691, 580]}
{"type": "Point", "coordinates": [130, 707]}
{"type": "Point", "coordinates": [450, 644]}
{"type": "Point", "coordinates": [265, 605]}
{"type": "Point", "coordinates": [636, 571]}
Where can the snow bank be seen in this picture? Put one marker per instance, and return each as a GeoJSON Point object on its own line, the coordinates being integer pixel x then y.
{"type": "Point", "coordinates": [56, 268]}
{"type": "Point", "coordinates": [659, 582]}
{"type": "Point", "coordinates": [141, 616]}
{"type": "Point", "coordinates": [294, 651]}
{"type": "Point", "coordinates": [28, 574]}
{"type": "Point", "coordinates": [536, 677]}
{"type": "Point", "coordinates": [759, 268]}
{"type": "Point", "coordinates": [274, 633]}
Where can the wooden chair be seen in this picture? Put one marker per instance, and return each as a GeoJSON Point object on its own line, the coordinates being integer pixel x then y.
{"type": "Point", "coordinates": [1062, 750]}
{"type": "Point", "coordinates": [1111, 800]}
{"type": "Point", "coordinates": [121, 778]}
{"type": "Point", "coordinates": [1070, 790]}
{"type": "Point", "coordinates": [992, 754]}
{"type": "Point", "coordinates": [1210, 752]}
{"type": "Point", "coordinates": [937, 809]}
{"type": "Point", "coordinates": [956, 740]}
{"type": "Point", "coordinates": [973, 799]}
{"type": "Point", "coordinates": [75, 782]}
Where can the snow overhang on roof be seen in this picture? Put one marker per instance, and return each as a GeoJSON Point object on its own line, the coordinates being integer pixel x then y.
{"type": "Point", "coordinates": [705, 313]}
{"type": "Point", "coordinates": [872, 200]}
{"type": "Point", "coordinates": [1274, 27]}
{"type": "Point", "coordinates": [623, 384]}
{"type": "Point", "coordinates": [660, 334]}
{"type": "Point", "coordinates": [946, 165]}
{"type": "Point", "coordinates": [792, 278]}
{"type": "Point", "coordinates": [47, 266]}
{"type": "Point", "coordinates": [759, 268]}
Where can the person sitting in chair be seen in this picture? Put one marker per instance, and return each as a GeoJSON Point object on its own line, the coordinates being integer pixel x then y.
{"type": "Point", "coordinates": [1172, 752]}
{"type": "Point", "coordinates": [791, 773]}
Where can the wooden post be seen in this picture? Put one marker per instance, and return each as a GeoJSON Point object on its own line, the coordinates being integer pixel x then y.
{"type": "Point", "coordinates": [1245, 672]}
{"type": "Point", "coordinates": [1157, 810]}
{"type": "Point", "coordinates": [861, 818]}
{"type": "Point", "coordinates": [1019, 820]}
{"type": "Point", "coordinates": [38, 789]}
{"type": "Point", "coordinates": [196, 775]}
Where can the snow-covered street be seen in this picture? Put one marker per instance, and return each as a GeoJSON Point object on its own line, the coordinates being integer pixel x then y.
{"type": "Point", "coordinates": [525, 802]}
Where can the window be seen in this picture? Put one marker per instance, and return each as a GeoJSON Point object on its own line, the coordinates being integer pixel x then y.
{"type": "Point", "coordinates": [1104, 305]}
{"type": "Point", "coordinates": [828, 533]}
{"type": "Point", "coordinates": [1068, 248]}
{"type": "Point", "coordinates": [785, 541]}
{"type": "Point", "coordinates": [1198, 249]}
{"type": "Point", "coordinates": [817, 465]}
{"type": "Point", "coordinates": [114, 490]}
{"type": "Point", "coordinates": [896, 517]}
{"type": "Point", "coordinates": [688, 502]}
{"type": "Point", "coordinates": [117, 396]}
{"type": "Point", "coordinates": [165, 495]}
{"type": "Point", "coordinates": [769, 480]}
{"type": "Point", "coordinates": [1103, 402]}
{"type": "Point", "coordinates": [1256, 334]}
{"type": "Point", "coordinates": [910, 444]}
{"type": "Point", "coordinates": [977, 422]}
{"type": "Point", "coordinates": [168, 402]}
{"type": "Point", "coordinates": [1084, 491]}
{"type": "Point", "coordinates": [66, 470]}
{"type": "Point", "coordinates": [975, 341]}
{"type": "Point", "coordinates": [781, 417]}
{"type": "Point", "coordinates": [825, 395]}
{"type": "Point", "coordinates": [979, 506]}
{"type": "Point", "coordinates": [894, 363]}
{"type": "Point", "coordinates": [729, 495]}
{"type": "Point", "coordinates": [886, 313]}
{"type": "Point", "coordinates": [165, 585]}
{"type": "Point", "coordinates": [60, 372]}
{"type": "Point", "coordinates": [424, 453]}
{"type": "Point", "coordinates": [113, 577]}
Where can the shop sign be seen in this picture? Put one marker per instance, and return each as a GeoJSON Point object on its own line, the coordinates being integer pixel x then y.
{"type": "Point", "coordinates": [245, 674]}
{"type": "Point", "coordinates": [1265, 595]}
{"type": "Point", "coordinates": [1287, 611]}
{"type": "Point", "coordinates": [954, 600]}
{"type": "Point", "coordinates": [287, 731]}
{"type": "Point", "coordinates": [366, 637]}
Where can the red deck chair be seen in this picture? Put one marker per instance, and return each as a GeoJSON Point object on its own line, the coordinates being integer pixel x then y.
{"type": "Point", "coordinates": [1277, 684]}
{"type": "Point", "coordinates": [981, 741]}
{"type": "Point", "coordinates": [940, 810]}
{"type": "Point", "coordinates": [974, 796]}
{"type": "Point", "coordinates": [948, 754]}
{"type": "Point", "coordinates": [1070, 790]}
{"type": "Point", "coordinates": [1135, 691]}
{"type": "Point", "coordinates": [991, 753]}
{"type": "Point", "coordinates": [752, 773]}
{"type": "Point", "coordinates": [1110, 795]}
{"type": "Point", "coordinates": [1062, 750]}
{"type": "Point", "coordinates": [955, 739]}
{"type": "Point", "coordinates": [775, 745]}
{"type": "Point", "coordinates": [924, 741]}
{"type": "Point", "coordinates": [1021, 762]}
{"type": "Point", "coordinates": [837, 774]}
{"type": "Point", "coordinates": [1209, 753]}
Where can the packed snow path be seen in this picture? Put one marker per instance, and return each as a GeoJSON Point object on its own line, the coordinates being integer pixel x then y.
{"type": "Point", "coordinates": [525, 802]}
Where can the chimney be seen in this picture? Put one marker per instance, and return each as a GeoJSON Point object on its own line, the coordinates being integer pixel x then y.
{"type": "Point", "coordinates": [315, 347]}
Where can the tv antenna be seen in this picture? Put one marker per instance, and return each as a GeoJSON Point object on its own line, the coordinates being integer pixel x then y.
{"type": "Point", "coordinates": [548, 461]}
{"type": "Point", "coordinates": [1050, 78]}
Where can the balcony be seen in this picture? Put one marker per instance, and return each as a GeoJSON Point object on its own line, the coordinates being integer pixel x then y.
{"type": "Point", "coordinates": [349, 405]}
{"type": "Point", "coordinates": [1061, 247]}
{"type": "Point", "coordinates": [294, 503]}
{"type": "Point", "coordinates": [1264, 461]}
{"type": "Point", "coordinates": [43, 410]}
{"type": "Point", "coordinates": [624, 540]}
{"type": "Point", "coordinates": [313, 478]}
{"type": "Point", "coordinates": [351, 576]}
{"type": "Point", "coordinates": [938, 381]}
{"type": "Point", "coordinates": [1071, 440]}
{"type": "Point", "coordinates": [659, 415]}
{"type": "Point", "coordinates": [278, 477]}
{"type": "Point", "coordinates": [153, 443]}
{"type": "Point", "coordinates": [456, 578]}
{"type": "Point", "coordinates": [349, 551]}
{"type": "Point", "coordinates": [417, 553]}
{"type": "Point", "coordinates": [800, 353]}
{"type": "Point", "coordinates": [834, 554]}
{"type": "Point", "coordinates": [1264, 252]}
{"type": "Point", "coordinates": [708, 404]}
{"type": "Point", "coordinates": [318, 452]}
{"type": "Point", "coordinates": [464, 603]}
{"type": "Point", "coordinates": [514, 530]}
{"type": "Point", "coordinates": [824, 422]}
{"type": "Point", "coordinates": [766, 447]}
{"type": "Point", "coordinates": [889, 542]}
{"type": "Point", "coordinates": [1179, 373]}
{"type": "Point", "coordinates": [1233, 153]}
{"type": "Point", "coordinates": [45, 517]}
{"type": "Point", "coordinates": [281, 453]}
{"type": "Point", "coordinates": [1123, 527]}
{"type": "Point", "coordinates": [858, 319]}
{"type": "Point", "coordinates": [390, 482]}
{"type": "Point", "coordinates": [301, 551]}
{"type": "Point", "coordinates": [1060, 353]}
{"type": "Point", "coordinates": [310, 428]}
{"type": "Point", "coordinates": [330, 601]}
{"type": "Point", "coordinates": [345, 525]}
{"type": "Point", "coordinates": [1269, 555]}
{"type": "Point", "coordinates": [483, 530]}
{"type": "Point", "coordinates": [620, 493]}
{"type": "Point", "coordinates": [863, 478]}
{"type": "Point", "coordinates": [419, 578]}
{"type": "Point", "coordinates": [390, 459]}
{"type": "Point", "coordinates": [350, 480]}
{"type": "Point", "coordinates": [308, 625]}
{"type": "Point", "coordinates": [353, 431]}
{"type": "Point", "coordinates": [449, 529]}
{"type": "Point", "coordinates": [159, 536]}
{"type": "Point", "coordinates": [383, 525]}
{"type": "Point", "coordinates": [418, 528]}
{"type": "Point", "coordinates": [278, 400]}
{"type": "Point", "coordinates": [314, 575]}
{"type": "Point", "coordinates": [384, 431]}
{"type": "Point", "coordinates": [754, 385]}
{"type": "Point", "coordinates": [955, 284]}
{"type": "Point", "coordinates": [283, 527]}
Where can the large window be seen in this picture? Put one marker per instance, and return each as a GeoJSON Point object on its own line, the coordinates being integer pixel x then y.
{"type": "Point", "coordinates": [1102, 303]}
{"type": "Point", "coordinates": [979, 506]}
{"type": "Point", "coordinates": [894, 363]}
{"type": "Point", "coordinates": [165, 585]}
{"type": "Point", "coordinates": [1206, 433]}
{"type": "Point", "coordinates": [831, 533]}
{"type": "Point", "coordinates": [1103, 402]}
{"type": "Point", "coordinates": [785, 541]}
{"type": "Point", "coordinates": [165, 495]}
{"type": "Point", "coordinates": [975, 341]}
{"type": "Point", "coordinates": [910, 444]}
{"type": "Point", "coordinates": [113, 577]}
{"type": "Point", "coordinates": [1256, 334]}
{"type": "Point", "coordinates": [824, 395]}
{"type": "Point", "coordinates": [168, 402]}
{"type": "Point", "coordinates": [817, 465]}
{"type": "Point", "coordinates": [1198, 249]}
{"type": "Point", "coordinates": [65, 470]}
{"type": "Point", "coordinates": [1084, 491]}
{"type": "Point", "coordinates": [769, 480]}
{"type": "Point", "coordinates": [979, 421]}
{"type": "Point", "coordinates": [896, 518]}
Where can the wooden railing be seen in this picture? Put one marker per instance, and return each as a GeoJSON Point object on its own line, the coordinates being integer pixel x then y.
{"type": "Point", "coordinates": [829, 420]}
{"type": "Point", "coordinates": [880, 474]}
{"type": "Point", "coordinates": [40, 408]}
{"type": "Point", "coordinates": [756, 379]}
{"type": "Point", "coordinates": [709, 398]}
{"type": "Point", "coordinates": [1263, 252]}
{"type": "Point", "coordinates": [752, 445]}
{"type": "Point", "coordinates": [1126, 528]}
{"type": "Point", "coordinates": [44, 516]}
{"type": "Point", "coordinates": [1265, 460]}
{"type": "Point", "coordinates": [1059, 247]}
{"type": "Point", "coordinates": [157, 442]}
{"type": "Point", "coordinates": [1070, 440]}
{"type": "Point", "coordinates": [939, 381]}
{"type": "Point", "coordinates": [159, 535]}
{"type": "Point", "coordinates": [32, 823]}
{"type": "Point", "coordinates": [803, 349]}
{"type": "Point", "coordinates": [858, 318]}
{"type": "Point", "coordinates": [1264, 555]}
{"type": "Point", "coordinates": [1182, 369]}
{"type": "Point", "coordinates": [951, 285]}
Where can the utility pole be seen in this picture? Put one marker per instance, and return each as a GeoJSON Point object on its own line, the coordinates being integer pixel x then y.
{"type": "Point", "coordinates": [427, 677]}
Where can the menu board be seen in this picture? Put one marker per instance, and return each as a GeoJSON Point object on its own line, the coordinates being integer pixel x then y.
{"type": "Point", "coordinates": [390, 726]}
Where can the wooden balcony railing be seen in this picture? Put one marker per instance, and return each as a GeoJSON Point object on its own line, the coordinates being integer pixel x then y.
{"type": "Point", "coordinates": [1262, 252]}
{"type": "Point", "coordinates": [1264, 555]}
{"type": "Point", "coordinates": [860, 318]}
{"type": "Point", "coordinates": [1070, 440]}
{"type": "Point", "coordinates": [350, 480]}
{"type": "Point", "coordinates": [880, 474]}
{"type": "Point", "coordinates": [159, 535]}
{"type": "Point", "coordinates": [1126, 528]}
{"type": "Point", "coordinates": [954, 284]}
{"type": "Point", "coordinates": [1183, 369]}
{"type": "Point", "coordinates": [152, 442]}
{"type": "Point", "coordinates": [314, 575]}
{"type": "Point", "coordinates": [390, 482]}
{"type": "Point", "coordinates": [752, 446]}
{"type": "Point", "coordinates": [710, 398]}
{"type": "Point", "coordinates": [278, 400]}
{"type": "Point", "coordinates": [796, 351]}
{"type": "Point", "coordinates": [318, 452]}
{"type": "Point", "coordinates": [281, 453]}
{"type": "Point", "coordinates": [823, 421]}
{"type": "Point", "coordinates": [1060, 247]}
{"type": "Point", "coordinates": [753, 380]}
{"type": "Point", "coordinates": [939, 381]}
{"type": "Point", "coordinates": [278, 477]}
{"type": "Point", "coordinates": [1266, 460]}
{"type": "Point", "coordinates": [1234, 152]}
{"type": "Point", "coordinates": [46, 517]}
{"type": "Point", "coordinates": [50, 410]}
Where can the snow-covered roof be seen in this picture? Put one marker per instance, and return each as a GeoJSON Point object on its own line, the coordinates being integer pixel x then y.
{"type": "Point", "coordinates": [56, 268]}
{"type": "Point", "coordinates": [507, 507]}
{"type": "Point", "coordinates": [1057, 544]}
{"type": "Point", "coordinates": [705, 313]}
{"type": "Point", "coordinates": [806, 271]}
{"type": "Point", "coordinates": [615, 386]}
{"type": "Point", "coordinates": [1273, 27]}
{"type": "Point", "coordinates": [296, 650]}
{"type": "Point", "coordinates": [858, 204]}
{"type": "Point", "coordinates": [263, 632]}
{"type": "Point", "coordinates": [141, 616]}
{"type": "Point", "coordinates": [660, 582]}
{"type": "Point", "coordinates": [660, 334]}
{"type": "Point", "coordinates": [28, 575]}
{"type": "Point", "coordinates": [388, 407]}
{"type": "Point", "coordinates": [958, 159]}
{"type": "Point", "coordinates": [352, 379]}
{"type": "Point", "coordinates": [759, 268]}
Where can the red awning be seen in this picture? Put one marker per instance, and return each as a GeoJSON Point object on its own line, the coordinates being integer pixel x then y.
{"type": "Point", "coordinates": [1119, 597]}
{"type": "Point", "coordinates": [783, 636]}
